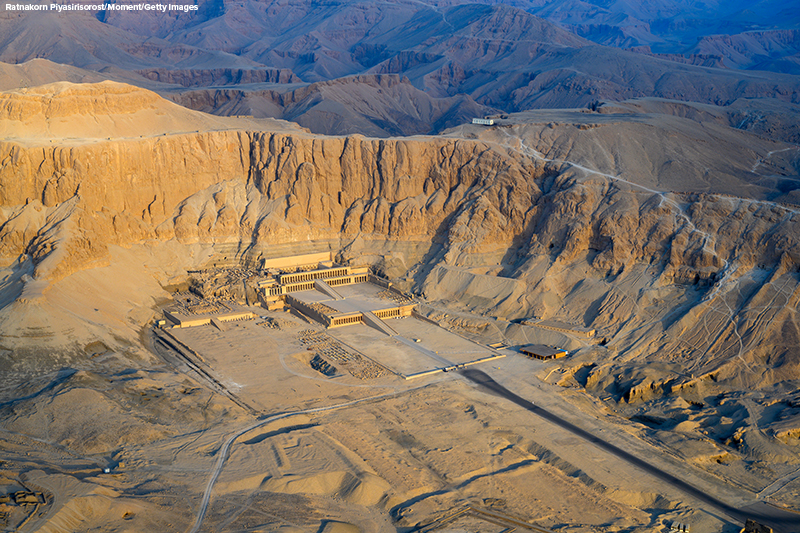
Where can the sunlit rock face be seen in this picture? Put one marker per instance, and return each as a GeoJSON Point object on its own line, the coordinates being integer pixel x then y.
{"type": "Point", "coordinates": [534, 197]}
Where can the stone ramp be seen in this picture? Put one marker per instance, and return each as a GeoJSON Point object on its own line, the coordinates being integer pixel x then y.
{"type": "Point", "coordinates": [373, 321]}
{"type": "Point", "coordinates": [326, 289]}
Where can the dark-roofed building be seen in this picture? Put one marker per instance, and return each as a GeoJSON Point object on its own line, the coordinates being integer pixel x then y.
{"type": "Point", "coordinates": [541, 351]}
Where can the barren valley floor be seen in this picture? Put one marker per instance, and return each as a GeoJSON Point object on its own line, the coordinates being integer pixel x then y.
{"type": "Point", "coordinates": [424, 447]}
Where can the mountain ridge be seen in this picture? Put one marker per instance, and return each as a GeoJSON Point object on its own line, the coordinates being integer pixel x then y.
{"type": "Point", "coordinates": [501, 57]}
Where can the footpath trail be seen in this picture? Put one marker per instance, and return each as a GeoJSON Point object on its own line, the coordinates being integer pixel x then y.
{"type": "Point", "coordinates": [226, 447]}
{"type": "Point", "coordinates": [779, 520]}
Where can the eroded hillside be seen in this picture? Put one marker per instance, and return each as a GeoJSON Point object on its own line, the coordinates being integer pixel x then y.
{"type": "Point", "coordinates": [405, 68]}
{"type": "Point", "coordinates": [613, 190]}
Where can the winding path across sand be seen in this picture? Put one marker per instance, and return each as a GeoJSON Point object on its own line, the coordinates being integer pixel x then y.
{"type": "Point", "coordinates": [226, 447]}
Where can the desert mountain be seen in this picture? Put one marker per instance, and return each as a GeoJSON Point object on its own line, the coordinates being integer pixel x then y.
{"type": "Point", "coordinates": [81, 40]}
{"type": "Point", "coordinates": [740, 35]}
{"type": "Point", "coordinates": [380, 105]}
{"type": "Point", "coordinates": [41, 71]}
{"type": "Point", "coordinates": [667, 27]}
{"type": "Point", "coordinates": [775, 50]}
{"type": "Point", "coordinates": [56, 112]}
{"type": "Point", "coordinates": [671, 228]}
{"type": "Point", "coordinates": [656, 183]}
{"type": "Point", "coordinates": [637, 208]}
{"type": "Point", "coordinates": [310, 62]}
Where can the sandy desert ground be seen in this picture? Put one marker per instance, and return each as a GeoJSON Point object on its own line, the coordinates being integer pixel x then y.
{"type": "Point", "coordinates": [300, 451]}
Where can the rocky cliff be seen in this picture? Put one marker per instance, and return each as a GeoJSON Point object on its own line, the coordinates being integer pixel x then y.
{"type": "Point", "coordinates": [522, 197]}
{"type": "Point", "coordinates": [218, 186]}
{"type": "Point", "coordinates": [219, 76]}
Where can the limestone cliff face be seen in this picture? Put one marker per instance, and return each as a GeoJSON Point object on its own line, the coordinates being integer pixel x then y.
{"type": "Point", "coordinates": [271, 188]}
{"type": "Point", "coordinates": [473, 196]}
{"type": "Point", "coordinates": [563, 232]}
{"type": "Point", "coordinates": [398, 188]}
{"type": "Point", "coordinates": [120, 192]}
{"type": "Point", "coordinates": [255, 186]}
{"type": "Point", "coordinates": [122, 176]}
{"type": "Point", "coordinates": [71, 185]}
{"type": "Point", "coordinates": [620, 227]}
